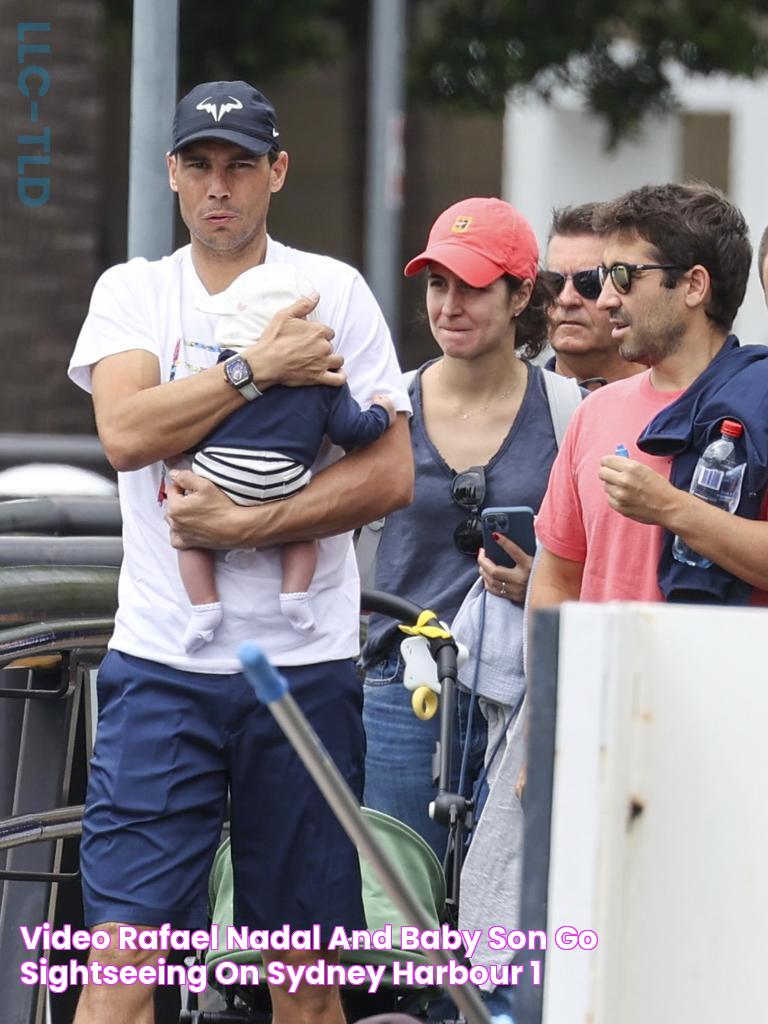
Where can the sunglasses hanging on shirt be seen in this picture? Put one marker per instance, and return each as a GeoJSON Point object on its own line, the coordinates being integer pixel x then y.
{"type": "Point", "coordinates": [468, 491]}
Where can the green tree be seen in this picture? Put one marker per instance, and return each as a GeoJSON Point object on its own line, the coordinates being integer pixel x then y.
{"type": "Point", "coordinates": [471, 53]}
{"type": "Point", "coordinates": [265, 39]}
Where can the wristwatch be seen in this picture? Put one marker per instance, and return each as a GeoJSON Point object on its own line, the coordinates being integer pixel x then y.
{"type": "Point", "coordinates": [240, 376]}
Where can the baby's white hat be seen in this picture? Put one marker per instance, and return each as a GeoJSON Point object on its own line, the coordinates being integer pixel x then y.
{"type": "Point", "coordinates": [253, 298]}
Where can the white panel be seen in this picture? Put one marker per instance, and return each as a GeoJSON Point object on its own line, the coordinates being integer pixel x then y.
{"type": "Point", "coordinates": [748, 163]}
{"type": "Point", "coordinates": [556, 157]}
{"type": "Point", "coordinates": [664, 708]}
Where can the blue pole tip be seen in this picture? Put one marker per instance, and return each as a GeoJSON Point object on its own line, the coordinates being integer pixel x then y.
{"type": "Point", "coordinates": [268, 683]}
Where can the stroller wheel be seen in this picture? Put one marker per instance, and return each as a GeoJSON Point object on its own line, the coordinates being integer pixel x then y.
{"type": "Point", "coordinates": [424, 702]}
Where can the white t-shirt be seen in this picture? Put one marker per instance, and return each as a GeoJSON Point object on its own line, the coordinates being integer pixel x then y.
{"type": "Point", "coordinates": [152, 306]}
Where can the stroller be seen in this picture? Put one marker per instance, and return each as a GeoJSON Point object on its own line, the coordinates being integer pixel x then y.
{"type": "Point", "coordinates": [403, 881]}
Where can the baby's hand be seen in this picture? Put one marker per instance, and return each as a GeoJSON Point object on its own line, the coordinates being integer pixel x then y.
{"type": "Point", "coordinates": [386, 402]}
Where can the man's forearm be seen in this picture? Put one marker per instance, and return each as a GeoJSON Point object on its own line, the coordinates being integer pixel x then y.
{"type": "Point", "coordinates": [363, 486]}
{"type": "Point", "coordinates": [142, 420]}
{"type": "Point", "coordinates": [554, 581]}
{"type": "Point", "coordinates": [740, 546]}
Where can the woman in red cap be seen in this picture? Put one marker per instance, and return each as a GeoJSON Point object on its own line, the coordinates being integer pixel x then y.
{"type": "Point", "coordinates": [482, 436]}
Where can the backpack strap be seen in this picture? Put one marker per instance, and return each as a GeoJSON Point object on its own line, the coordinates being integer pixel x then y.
{"type": "Point", "coordinates": [366, 546]}
{"type": "Point", "coordinates": [369, 536]}
{"type": "Point", "coordinates": [409, 379]}
{"type": "Point", "coordinates": [564, 396]}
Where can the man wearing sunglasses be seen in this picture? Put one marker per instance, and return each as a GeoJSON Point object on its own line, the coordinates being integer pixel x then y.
{"type": "Point", "coordinates": [581, 333]}
{"type": "Point", "coordinates": [674, 270]}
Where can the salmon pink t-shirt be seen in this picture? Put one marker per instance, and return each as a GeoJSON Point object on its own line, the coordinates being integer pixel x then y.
{"type": "Point", "coordinates": [575, 521]}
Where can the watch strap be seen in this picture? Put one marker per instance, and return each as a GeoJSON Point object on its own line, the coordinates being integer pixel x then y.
{"type": "Point", "coordinates": [249, 391]}
{"type": "Point", "coordinates": [246, 387]}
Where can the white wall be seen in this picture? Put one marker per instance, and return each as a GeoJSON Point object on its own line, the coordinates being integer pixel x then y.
{"type": "Point", "coordinates": [662, 707]}
{"type": "Point", "coordinates": [555, 155]}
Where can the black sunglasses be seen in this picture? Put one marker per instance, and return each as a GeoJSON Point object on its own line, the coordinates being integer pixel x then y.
{"type": "Point", "coordinates": [586, 282]}
{"type": "Point", "coordinates": [468, 491]}
{"type": "Point", "coordinates": [621, 274]}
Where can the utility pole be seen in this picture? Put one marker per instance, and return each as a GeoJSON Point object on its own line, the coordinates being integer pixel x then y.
{"type": "Point", "coordinates": [386, 163]}
{"type": "Point", "coordinates": [154, 64]}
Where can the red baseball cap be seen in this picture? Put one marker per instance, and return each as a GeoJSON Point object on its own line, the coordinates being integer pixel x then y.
{"type": "Point", "coordinates": [479, 240]}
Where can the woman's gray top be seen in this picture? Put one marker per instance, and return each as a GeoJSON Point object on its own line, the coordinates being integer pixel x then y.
{"type": "Point", "coordinates": [417, 558]}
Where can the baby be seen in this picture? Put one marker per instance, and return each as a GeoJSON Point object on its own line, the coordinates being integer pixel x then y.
{"type": "Point", "coordinates": [264, 450]}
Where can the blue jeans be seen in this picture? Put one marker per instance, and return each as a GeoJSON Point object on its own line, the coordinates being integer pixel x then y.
{"type": "Point", "coordinates": [503, 1000]}
{"type": "Point", "coordinates": [398, 761]}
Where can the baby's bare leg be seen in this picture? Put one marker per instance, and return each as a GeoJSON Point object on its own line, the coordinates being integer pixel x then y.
{"type": "Point", "coordinates": [299, 564]}
{"type": "Point", "coordinates": [299, 561]}
{"type": "Point", "coordinates": [198, 574]}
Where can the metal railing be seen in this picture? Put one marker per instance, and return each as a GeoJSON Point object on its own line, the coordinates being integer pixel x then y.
{"type": "Point", "coordinates": [81, 450]}
{"type": "Point", "coordinates": [62, 516]}
{"type": "Point", "coordinates": [55, 621]}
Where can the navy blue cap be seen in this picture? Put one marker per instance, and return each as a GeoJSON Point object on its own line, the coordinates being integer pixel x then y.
{"type": "Point", "coordinates": [232, 111]}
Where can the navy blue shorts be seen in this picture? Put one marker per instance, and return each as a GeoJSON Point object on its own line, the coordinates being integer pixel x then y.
{"type": "Point", "coordinates": [170, 747]}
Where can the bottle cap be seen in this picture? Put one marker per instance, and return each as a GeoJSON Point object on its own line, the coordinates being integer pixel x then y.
{"type": "Point", "coordinates": [731, 428]}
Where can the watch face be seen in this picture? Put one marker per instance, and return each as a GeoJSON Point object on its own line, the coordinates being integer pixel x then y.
{"type": "Point", "coordinates": [238, 371]}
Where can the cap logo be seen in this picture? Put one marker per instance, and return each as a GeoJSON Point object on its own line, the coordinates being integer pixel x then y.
{"type": "Point", "coordinates": [218, 113]}
{"type": "Point", "coordinates": [461, 224]}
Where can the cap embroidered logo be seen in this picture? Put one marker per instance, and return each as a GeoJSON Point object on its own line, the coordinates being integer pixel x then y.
{"type": "Point", "coordinates": [461, 224]}
{"type": "Point", "coordinates": [222, 110]}
{"type": "Point", "coordinates": [231, 111]}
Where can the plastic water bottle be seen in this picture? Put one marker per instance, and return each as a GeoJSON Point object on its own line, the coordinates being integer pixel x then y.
{"type": "Point", "coordinates": [717, 479]}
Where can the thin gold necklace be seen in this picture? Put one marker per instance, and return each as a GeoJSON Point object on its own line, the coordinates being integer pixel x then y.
{"type": "Point", "coordinates": [476, 412]}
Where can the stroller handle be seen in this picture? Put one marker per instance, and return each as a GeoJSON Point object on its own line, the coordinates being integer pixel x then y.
{"type": "Point", "coordinates": [268, 680]}
{"type": "Point", "coordinates": [389, 604]}
{"type": "Point", "coordinates": [448, 808]}
{"type": "Point", "coordinates": [443, 648]}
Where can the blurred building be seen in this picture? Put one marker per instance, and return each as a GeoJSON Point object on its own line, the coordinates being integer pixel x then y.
{"type": "Point", "coordinates": [52, 197]}
{"type": "Point", "coordinates": [556, 155]}
{"type": "Point", "coordinates": [52, 253]}
{"type": "Point", "coordinates": [537, 156]}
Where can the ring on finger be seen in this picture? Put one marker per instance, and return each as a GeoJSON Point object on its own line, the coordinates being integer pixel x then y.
{"type": "Point", "coordinates": [503, 588]}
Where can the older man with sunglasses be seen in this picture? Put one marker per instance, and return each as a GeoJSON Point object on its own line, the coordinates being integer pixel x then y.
{"type": "Point", "coordinates": [581, 333]}
{"type": "Point", "coordinates": [674, 270]}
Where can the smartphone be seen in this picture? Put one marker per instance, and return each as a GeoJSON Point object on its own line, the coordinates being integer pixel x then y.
{"type": "Point", "coordinates": [516, 524]}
